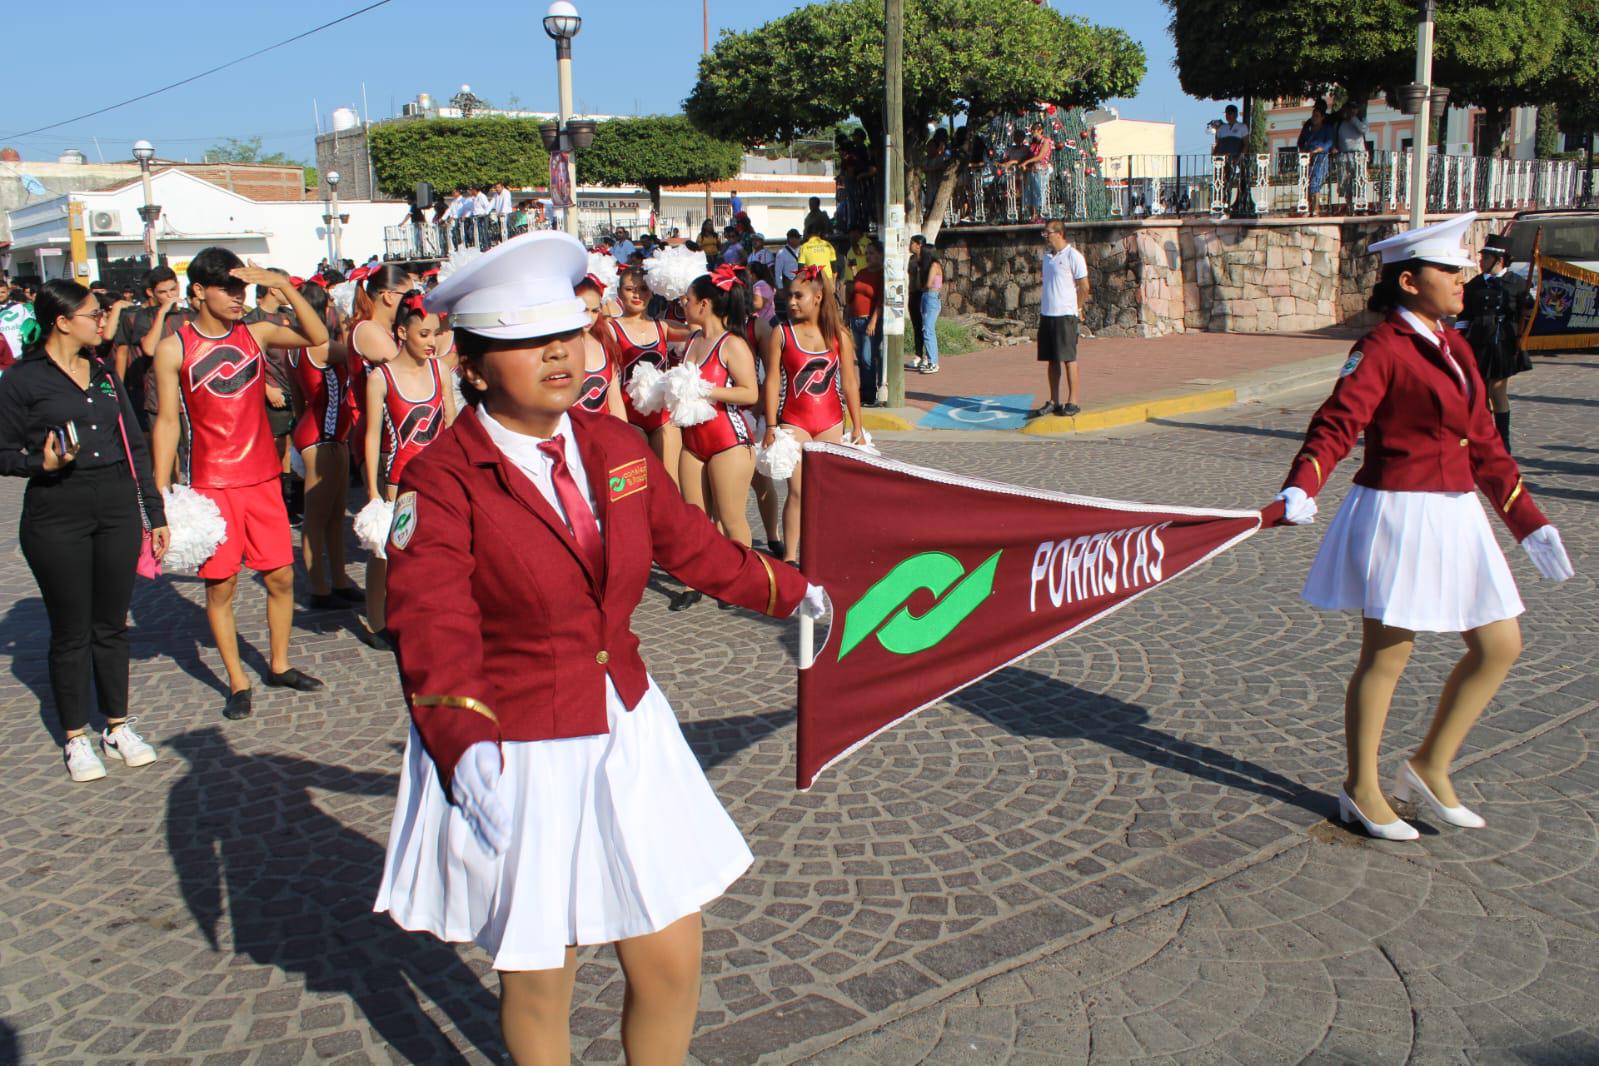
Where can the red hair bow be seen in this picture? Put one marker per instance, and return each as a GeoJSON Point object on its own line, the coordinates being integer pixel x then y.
{"type": "Point", "coordinates": [725, 277]}
{"type": "Point", "coordinates": [413, 302]}
{"type": "Point", "coordinates": [810, 272]}
{"type": "Point", "coordinates": [316, 279]}
{"type": "Point", "coordinates": [596, 282]}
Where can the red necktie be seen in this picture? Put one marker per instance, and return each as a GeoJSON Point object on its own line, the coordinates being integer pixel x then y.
{"type": "Point", "coordinates": [579, 517]}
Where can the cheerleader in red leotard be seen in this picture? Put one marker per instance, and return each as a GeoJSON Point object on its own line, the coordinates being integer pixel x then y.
{"type": "Point", "coordinates": [718, 457]}
{"type": "Point", "coordinates": [770, 504]}
{"type": "Point", "coordinates": [601, 390]}
{"type": "Point", "coordinates": [810, 379]}
{"type": "Point", "coordinates": [320, 381]}
{"type": "Point", "coordinates": [641, 339]}
{"type": "Point", "coordinates": [408, 404]}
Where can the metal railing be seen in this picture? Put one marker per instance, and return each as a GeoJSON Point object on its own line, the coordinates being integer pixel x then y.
{"type": "Point", "coordinates": [1076, 188]}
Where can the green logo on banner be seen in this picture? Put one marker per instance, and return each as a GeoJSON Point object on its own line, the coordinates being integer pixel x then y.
{"type": "Point", "coordinates": [902, 632]}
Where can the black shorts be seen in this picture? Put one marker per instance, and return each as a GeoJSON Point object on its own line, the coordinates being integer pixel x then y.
{"type": "Point", "coordinates": [281, 419]}
{"type": "Point", "coordinates": [1057, 338]}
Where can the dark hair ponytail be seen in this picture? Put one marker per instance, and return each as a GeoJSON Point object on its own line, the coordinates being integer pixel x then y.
{"type": "Point", "coordinates": [731, 305]}
{"type": "Point", "coordinates": [60, 298]}
{"type": "Point", "coordinates": [1386, 295]}
{"type": "Point", "coordinates": [411, 307]}
{"type": "Point", "coordinates": [386, 277]}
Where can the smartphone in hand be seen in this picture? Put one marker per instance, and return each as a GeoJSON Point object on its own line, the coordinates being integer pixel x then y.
{"type": "Point", "coordinates": [66, 437]}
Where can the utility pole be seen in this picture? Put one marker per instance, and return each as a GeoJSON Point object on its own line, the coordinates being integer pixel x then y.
{"type": "Point", "coordinates": [893, 231]}
{"type": "Point", "coordinates": [705, 50]}
{"type": "Point", "coordinates": [1418, 167]}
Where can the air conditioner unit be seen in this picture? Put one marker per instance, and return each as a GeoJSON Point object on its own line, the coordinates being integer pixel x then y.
{"type": "Point", "coordinates": [103, 221]}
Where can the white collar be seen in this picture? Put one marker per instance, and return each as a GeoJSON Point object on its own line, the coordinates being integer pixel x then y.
{"type": "Point", "coordinates": [521, 448]}
{"type": "Point", "coordinates": [1415, 323]}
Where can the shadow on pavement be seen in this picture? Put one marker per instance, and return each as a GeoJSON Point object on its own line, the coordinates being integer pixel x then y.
{"type": "Point", "coordinates": [1033, 705]}
{"type": "Point", "coordinates": [1563, 401]}
{"type": "Point", "coordinates": [253, 852]}
{"type": "Point", "coordinates": [1247, 431]}
{"type": "Point", "coordinates": [167, 624]}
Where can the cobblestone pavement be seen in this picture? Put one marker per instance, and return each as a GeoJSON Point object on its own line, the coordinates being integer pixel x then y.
{"type": "Point", "coordinates": [1117, 851]}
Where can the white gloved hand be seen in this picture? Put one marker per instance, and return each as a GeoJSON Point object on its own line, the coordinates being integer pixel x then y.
{"type": "Point", "coordinates": [1300, 509]}
{"type": "Point", "coordinates": [476, 776]}
{"type": "Point", "coordinates": [1548, 554]}
{"type": "Point", "coordinates": [815, 604]}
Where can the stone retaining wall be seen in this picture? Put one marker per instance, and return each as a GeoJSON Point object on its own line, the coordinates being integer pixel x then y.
{"type": "Point", "coordinates": [1154, 278]}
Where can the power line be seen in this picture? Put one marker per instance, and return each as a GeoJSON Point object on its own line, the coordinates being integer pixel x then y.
{"type": "Point", "coordinates": [202, 74]}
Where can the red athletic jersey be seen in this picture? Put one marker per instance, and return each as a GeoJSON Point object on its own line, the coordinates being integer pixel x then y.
{"type": "Point", "coordinates": [811, 392]}
{"type": "Point", "coordinates": [222, 383]}
{"type": "Point", "coordinates": [628, 358]}
{"type": "Point", "coordinates": [731, 427]}
{"type": "Point", "coordinates": [596, 383]}
{"type": "Point", "coordinates": [408, 425]}
{"type": "Point", "coordinates": [328, 413]}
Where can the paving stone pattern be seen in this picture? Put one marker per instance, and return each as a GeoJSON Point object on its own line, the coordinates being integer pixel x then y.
{"type": "Point", "coordinates": [1117, 851]}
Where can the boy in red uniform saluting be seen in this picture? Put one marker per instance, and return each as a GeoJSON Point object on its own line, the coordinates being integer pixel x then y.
{"type": "Point", "coordinates": [212, 375]}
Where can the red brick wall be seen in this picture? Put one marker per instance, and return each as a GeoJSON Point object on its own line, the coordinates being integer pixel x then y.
{"type": "Point", "coordinates": [253, 180]}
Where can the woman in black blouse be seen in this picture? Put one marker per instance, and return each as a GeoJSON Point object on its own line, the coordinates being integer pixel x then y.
{"type": "Point", "coordinates": [81, 523]}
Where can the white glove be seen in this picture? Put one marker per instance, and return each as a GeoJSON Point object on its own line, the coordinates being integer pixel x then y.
{"type": "Point", "coordinates": [815, 604]}
{"type": "Point", "coordinates": [1548, 554]}
{"type": "Point", "coordinates": [1300, 509]}
{"type": "Point", "coordinates": [476, 776]}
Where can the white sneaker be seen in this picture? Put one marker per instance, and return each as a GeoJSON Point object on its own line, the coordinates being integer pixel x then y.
{"type": "Point", "coordinates": [127, 745]}
{"type": "Point", "coordinates": [82, 763]}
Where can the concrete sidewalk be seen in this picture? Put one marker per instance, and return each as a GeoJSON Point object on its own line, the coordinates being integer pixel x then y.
{"type": "Point", "coordinates": [1129, 379]}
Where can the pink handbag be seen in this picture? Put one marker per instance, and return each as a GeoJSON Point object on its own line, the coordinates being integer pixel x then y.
{"type": "Point", "coordinates": [148, 565]}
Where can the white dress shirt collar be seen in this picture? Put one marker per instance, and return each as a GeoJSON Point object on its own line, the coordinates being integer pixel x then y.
{"type": "Point", "coordinates": [523, 451]}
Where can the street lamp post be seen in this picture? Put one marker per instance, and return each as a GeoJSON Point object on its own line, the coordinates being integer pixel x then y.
{"type": "Point", "coordinates": [144, 152]}
{"type": "Point", "coordinates": [561, 23]}
{"type": "Point", "coordinates": [334, 221]}
{"type": "Point", "coordinates": [1420, 93]}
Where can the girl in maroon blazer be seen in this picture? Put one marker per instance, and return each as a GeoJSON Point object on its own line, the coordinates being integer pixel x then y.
{"type": "Point", "coordinates": [548, 798]}
{"type": "Point", "coordinates": [1410, 547]}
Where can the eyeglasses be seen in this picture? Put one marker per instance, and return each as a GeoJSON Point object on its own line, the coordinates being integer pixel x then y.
{"type": "Point", "coordinates": [98, 316]}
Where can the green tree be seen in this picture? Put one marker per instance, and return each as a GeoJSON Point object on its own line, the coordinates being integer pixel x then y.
{"type": "Point", "coordinates": [456, 151]}
{"type": "Point", "coordinates": [657, 151]}
{"type": "Point", "coordinates": [817, 66]}
{"type": "Point", "coordinates": [233, 150]}
{"type": "Point", "coordinates": [1496, 54]}
{"type": "Point", "coordinates": [1257, 125]}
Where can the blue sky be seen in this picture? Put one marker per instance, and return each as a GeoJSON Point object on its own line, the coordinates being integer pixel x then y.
{"type": "Point", "coordinates": [632, 56]}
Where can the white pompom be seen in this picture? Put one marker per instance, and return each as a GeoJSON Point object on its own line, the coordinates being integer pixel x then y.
{"type": "Point", "coordinates": [602, 265]}
{"type": "Point", "coordinates": [778, 461]}
{"type": "Point", "coordinates": [670, 271]}
{"type": "Point", "coordinates": [343, 297]}
{"type": "Point", "coordinates": [296, 462]}
{"type": "Point", "coordinates": [196, 526]}
{"type": "Point", "coordinates": [644, 389]}
{"type": "Point", "coordinates": [686, 394]}
{"type": "Point", "coordinates": [372, 524]}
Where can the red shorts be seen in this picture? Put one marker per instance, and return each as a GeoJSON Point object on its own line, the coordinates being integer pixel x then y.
{"type": "Point", "coordinates": [258, 530]}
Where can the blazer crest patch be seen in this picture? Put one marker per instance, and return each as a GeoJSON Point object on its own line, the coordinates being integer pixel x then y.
{"type": "Point", "coordinates": [404, 526]}
{"type": "Point", "coordinates": [1350, 363]}
{"type": "Point", "coordinates": [628, 478]}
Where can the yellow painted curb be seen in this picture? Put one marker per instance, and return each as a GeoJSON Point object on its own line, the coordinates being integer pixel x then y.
{"type": "Point", "coordinates": [883, 420]}
{"type": "Point", "coordinates": [1127, 414]}
{"type": "Point", "coordinates": [1187, 405]}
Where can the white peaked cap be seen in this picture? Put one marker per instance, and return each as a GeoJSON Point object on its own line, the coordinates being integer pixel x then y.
{"type": "Point", "coordinates": [1439, 243]}
{"type": "Point", "coordinates": [518, 290]}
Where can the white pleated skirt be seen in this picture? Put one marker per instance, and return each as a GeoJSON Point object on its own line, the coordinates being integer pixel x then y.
{"type": "Point", "coordinates": [612, 837]}
{"type": "Point", "coordinates": [1424, 561]}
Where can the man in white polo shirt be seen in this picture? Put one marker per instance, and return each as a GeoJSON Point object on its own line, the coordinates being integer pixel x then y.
{"type": "Point", "coordinates": [1065, 293]}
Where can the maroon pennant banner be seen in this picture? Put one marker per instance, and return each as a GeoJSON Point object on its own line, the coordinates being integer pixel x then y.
{"type": "Point", "coordinates": [939, 580]}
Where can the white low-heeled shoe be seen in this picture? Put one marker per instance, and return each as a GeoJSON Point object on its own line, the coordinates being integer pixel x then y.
{"type": "Point", "coordinates": [1408, 781]}
{"type": "Point", "coordinates": [1398, 829]}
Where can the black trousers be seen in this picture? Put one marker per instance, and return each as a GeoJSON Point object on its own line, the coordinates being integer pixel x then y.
{"type": "Point", "coordinates": [81, 536]}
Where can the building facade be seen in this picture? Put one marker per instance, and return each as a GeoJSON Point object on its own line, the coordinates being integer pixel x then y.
{"type": "Point", "coordinates": [195, 214]}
